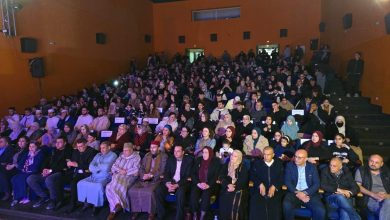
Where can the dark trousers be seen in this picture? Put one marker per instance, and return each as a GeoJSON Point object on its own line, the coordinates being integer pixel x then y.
{"type": "Point", "coordinates": [353, 82]}
{"type": "Point", "coordinates": [53, 183]}
{"type": "Point", "coordinates": [5, 178]}
{"type": "Point", "coordinates": [265, 208]}
{"type": "Point", "coordinates": [19, 185]}
{"type": "Point", "coordinates": [203, 195]}
{"type": "Point", "coordinates": [162, 192]}
{"type": "Point", "coordinates": [291, 202]}
{"type": "Point", "coordinates": [72, 180]}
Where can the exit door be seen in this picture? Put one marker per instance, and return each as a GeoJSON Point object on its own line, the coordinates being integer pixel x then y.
{"type": "Point", "coordinates": [193, 54]}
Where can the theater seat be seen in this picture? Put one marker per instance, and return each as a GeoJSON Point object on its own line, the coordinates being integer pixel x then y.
{"type": "Point", "coordinates": [303, 212]}
{"type": "Point", "coordinates": [170, 198]}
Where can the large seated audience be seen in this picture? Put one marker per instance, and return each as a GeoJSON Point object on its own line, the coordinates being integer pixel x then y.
{"type": "Point", "coordinates": [253, 135]}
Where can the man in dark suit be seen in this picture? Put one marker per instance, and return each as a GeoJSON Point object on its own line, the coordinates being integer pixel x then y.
{"type": "Point", "coordinates": [176, 181]}
{"type": "Point", "coordinates": [303, 182]}
{"type": "Point", "coordinates": [6, 155]}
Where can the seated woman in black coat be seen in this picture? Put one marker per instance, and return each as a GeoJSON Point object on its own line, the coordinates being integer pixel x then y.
{"type": "Point", "coordinates": [340, 126]}
{"type": "Point", "coordinates": [266, 194]}
{"type": "Point", "coordinates": [343, 151]}
{"type": "Point", "coordinates": [234, 187]}
{"type": "Point", "coordinates": [204, 178]}
{"type": "Point", "coordinates": [230, 135]}
{"type": "Point", "coordinates": [318, 152]}
{"type": "Point", "coordinates": [268, 128]}
{"type": "Point", "coordinates": [285, 151]}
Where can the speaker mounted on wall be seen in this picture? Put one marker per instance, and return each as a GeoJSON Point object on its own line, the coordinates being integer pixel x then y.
{"type": "Point", "coordinates": [213, 37]}
{"type": "Point", "coordinates": [148, 38]}
{"type": "Point", "coordinates": [36, 67]}
{"type": "Point", "coordinates": [283, 32]}
{"type": "Point", "coordinates": [314, 44]}
{"type": "Point", "coordinates": [28, 45]}
{"type": "Point", "coordinates": [100, 38]}
{"type": "Point", "coordinates": [322, 27]}
{"type": "Point", "coordinates": [347, 21]}
{"type": "Point", "coordinates": [182, 39]}
{"type": "Point", "coordinates": [246, 35]}
{"type": "Point", "coordinates": [387, 23]}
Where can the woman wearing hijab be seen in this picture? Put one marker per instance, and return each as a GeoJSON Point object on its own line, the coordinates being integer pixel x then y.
{"type": "Point", "coordinates": [207, 139]}
{"type": "Point", "coordinates": [285, 151]}
{"type": "Point", "coordinates": [234, 187]}
{"type": "Point", "coordinates": [165, 139]}
{"type": "Point", "coordinates": [290, 128]}
{"type": "Point", "coordinates": [230, 135]}
{"type": "Point", "coordinates": [255, 143]}
{"type": "Point", "coordinates": [340, 126]}
{"type": "Point", "coordinates": [317, 150]}
{"type": "Point", "coordinates": [28, 163]}
{"type": "Point", "coordinates": [204, 177]}
{"type": "Point", "coordinates": [269, 128]}
{"type": "Point", "coordinates": [223, 124]}
{"type": "Point", "coordinates": [119, 138]}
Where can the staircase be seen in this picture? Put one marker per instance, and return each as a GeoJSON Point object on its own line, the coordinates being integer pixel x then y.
{"type": "Point", "coordinates": [371, 125]}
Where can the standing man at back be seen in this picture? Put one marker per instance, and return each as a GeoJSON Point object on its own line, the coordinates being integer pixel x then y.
{"type": "Point", "coordinates": [354, 74]}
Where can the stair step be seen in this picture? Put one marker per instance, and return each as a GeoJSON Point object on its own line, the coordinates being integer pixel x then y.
{"type": "Point", "coordinates": [359, 110]}
{"type": "Point", "coordinates": [371, 128]}
{"type": "Point", "coordinates": [377, 116]}
{"type": "Point", "coordinates": [363, 122]}
{"type": "Point", "coordinates": [375, 141]}
{"type": "Point", "coordinates": [339, 99]}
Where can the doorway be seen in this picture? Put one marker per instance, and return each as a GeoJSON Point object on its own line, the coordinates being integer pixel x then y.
{"type": "Point", "coordinates": [193, 53]}
{"type": "Point", "coordinates": [268, 48]}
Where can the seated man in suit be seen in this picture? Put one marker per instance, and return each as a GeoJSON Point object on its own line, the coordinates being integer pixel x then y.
{"type": "Point", "coordinates": [303, 182]}
{"type": "Point", "coordinates": [176, 181]}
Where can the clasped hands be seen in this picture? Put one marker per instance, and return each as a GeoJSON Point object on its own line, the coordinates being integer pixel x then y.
{"type": "Point", "coordinates": [171, 187]}
{"type": "Point", "coordinates": [203, 186]}
{"type": "Point", "coordinates": [263, 191]}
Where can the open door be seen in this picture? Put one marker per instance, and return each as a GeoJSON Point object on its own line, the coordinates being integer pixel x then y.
{"type": "Point", "coordinates": [194, 53]}
{"type": "Point", "coordinates": [268, 48]}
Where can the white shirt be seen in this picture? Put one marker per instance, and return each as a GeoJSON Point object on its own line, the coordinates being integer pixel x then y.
{"type": "Point", "coordinates": [84, 120]}
{"type": "Point", "coordinates": [52, 122]}
{"type": "Point", "coordinates": [176, 177]}
{"type": "Point", "coordinates": [27, 120]}
{"type": "Point", "coordinates": [269, 164]}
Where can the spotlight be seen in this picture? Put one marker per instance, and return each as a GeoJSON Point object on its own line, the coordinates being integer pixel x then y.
{"type": "Point", "coordinates": [116, 83]}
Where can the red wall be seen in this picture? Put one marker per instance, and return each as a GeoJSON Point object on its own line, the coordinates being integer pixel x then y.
{"type": "Point", "coordinates": [368, 36]}
{"type": "Point", "coordinates": [74, 60]}
{"type": "Point", "coordinates": [263, 19]}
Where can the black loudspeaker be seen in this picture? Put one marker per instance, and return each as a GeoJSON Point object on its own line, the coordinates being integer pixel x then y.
{"type": "Point", "coordinates": [347, 21]}
{"type": "Point", "coordinates": [148, 38]}
{"type": "Point", "coordinates": [213, 37]}
{"type": "Point", "coordinates": [322, 27]}
{"type": "Point", "coordinates": [387, 23]}
{"type": "Point", "coordinates": [283, 32]}
{"type": "Point", "coordinates": [36, 67]}
{"type": "Point", "coordinates": [28, 45]}
{"type": "Point", "coordinates": [246, 35]}
{"type": "Point", "coordinates": [100, 38]}
{"type": "Point", "coordinates": [313, 44]}
{"type": "Point", "coordinates": [182, 39]}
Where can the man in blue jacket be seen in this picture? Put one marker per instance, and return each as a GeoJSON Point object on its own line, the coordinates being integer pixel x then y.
{"type": "Point", "coordinates": [303, 182]}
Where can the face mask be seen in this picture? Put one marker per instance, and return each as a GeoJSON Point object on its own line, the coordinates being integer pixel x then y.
{"type": "Point", "coordinates": [339, 124]}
